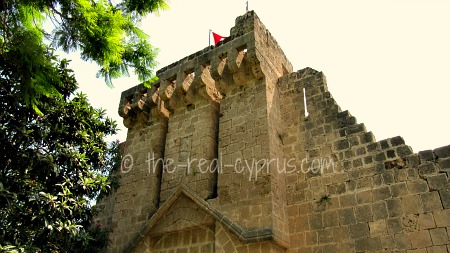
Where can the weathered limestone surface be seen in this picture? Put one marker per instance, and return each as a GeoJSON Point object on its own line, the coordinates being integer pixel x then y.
{"type": "Point", "coordinates": [231, 151]}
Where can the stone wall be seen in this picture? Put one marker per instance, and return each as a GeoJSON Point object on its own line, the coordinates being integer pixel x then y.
{"type": "Point", "coordinates": [378, 197]}
{"type": "Point", "coordinates": [231, 151]}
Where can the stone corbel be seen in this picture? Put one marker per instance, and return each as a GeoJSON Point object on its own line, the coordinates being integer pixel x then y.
{"type": "Point", "coordinates": [140, 107]}
{"type": "Point", "coordinates": [220, 73]}
{"type": "Point", "coordinates": [156, 104]}
{"type": "Point", "coordinates": [166, 91]}
{"type": "Point", "coordinates": [125, 111]}
{"type": "Point", "coordinates": [252, 60]}
{"type": "Point", "coordinates": [181, 97]}
{"type": "Point", "coordinates": [124, 108]}
{"type": "Point", "coordinates": [237, 66]}
{"type": "Point", "coordinates": [204, 85]}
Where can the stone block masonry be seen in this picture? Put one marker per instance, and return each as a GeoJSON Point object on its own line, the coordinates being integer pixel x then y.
{"type": "Point", "coordinates": [231, 151]}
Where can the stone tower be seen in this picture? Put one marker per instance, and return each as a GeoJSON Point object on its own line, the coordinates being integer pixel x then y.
{"type": "Point", "coordinates": [231, 151]}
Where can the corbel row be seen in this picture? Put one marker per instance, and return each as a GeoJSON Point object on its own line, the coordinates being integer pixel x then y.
{"type": "Point", "coordinates": [210, 76]}
{"type": "Point", "coordinates": [143, 106]}
{"type": "Point", "coordinates": [228, 68]}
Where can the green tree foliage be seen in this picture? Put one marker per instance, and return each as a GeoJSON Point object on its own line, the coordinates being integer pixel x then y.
{"type": "Point", "coordinates": [111, 168]}
{"type": "Point", "coordinates": [50, 165]}
{"type": "Point", "coordinates": [53, 157]}
{"type": "Point", "coordinates": [104, 32]}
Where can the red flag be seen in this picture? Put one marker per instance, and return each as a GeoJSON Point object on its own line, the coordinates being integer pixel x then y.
{"type": "Point", "coordinates": [217, 38]}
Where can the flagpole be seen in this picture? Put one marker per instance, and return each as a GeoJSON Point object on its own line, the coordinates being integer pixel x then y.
{"type": "Point", "coordinates": [246, 7]}
{"type": "Point", "coordinates": [209, 38]}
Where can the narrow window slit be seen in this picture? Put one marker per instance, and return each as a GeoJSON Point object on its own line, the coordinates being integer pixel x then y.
{"type": "Point", "coordinates": [304, 100]}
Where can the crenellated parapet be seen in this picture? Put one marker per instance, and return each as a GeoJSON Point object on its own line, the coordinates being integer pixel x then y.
{"type": "Point", "coordinates": [249, 54]}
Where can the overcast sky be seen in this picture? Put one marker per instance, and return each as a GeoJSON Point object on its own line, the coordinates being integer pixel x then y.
{"type": "Point", "coordinates": [386, 61]}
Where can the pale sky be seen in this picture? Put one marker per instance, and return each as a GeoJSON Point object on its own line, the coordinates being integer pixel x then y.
{"type": "Point", "coordinates": [386, 61]}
